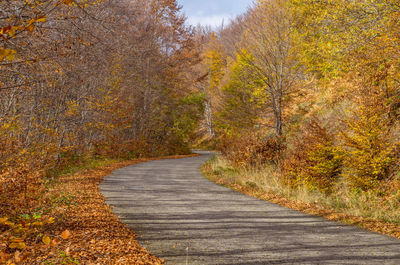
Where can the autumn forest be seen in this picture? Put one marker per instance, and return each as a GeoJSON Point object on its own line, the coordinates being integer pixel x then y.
{"type": "Point", "coordinates": [300, 98]}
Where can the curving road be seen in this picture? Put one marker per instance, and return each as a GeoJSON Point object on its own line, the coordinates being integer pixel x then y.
{"type": "Point", "coordinates": [184, 218]}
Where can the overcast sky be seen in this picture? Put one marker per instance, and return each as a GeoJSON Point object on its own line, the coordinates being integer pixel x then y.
{"type": "Point", "coordinates": [212, 12]}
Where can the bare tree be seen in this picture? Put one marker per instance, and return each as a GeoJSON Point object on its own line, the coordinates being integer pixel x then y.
{"type": "Point", "coordinates": [268, 39]}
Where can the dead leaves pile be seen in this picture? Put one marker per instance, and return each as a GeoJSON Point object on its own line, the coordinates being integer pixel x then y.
{"type": "Point", "coordinates": [88, 233]}
{"type": "Point", "coordinates": [98, 237]}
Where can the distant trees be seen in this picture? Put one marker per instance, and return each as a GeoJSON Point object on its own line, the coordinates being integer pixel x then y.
{"type": "Point", "coordinates": [266, 52]}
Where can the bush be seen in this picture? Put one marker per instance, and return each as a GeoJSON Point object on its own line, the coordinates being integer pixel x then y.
{"type": "Point", "coordinates": [249, 149]}
{"type": "Point", "coordinates": [370, 153]}
{"type": "Point", "coordinates": [313, 161]}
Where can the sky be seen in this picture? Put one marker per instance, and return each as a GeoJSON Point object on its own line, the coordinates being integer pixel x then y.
{"type": "Point", "coordinates": [213, 12]}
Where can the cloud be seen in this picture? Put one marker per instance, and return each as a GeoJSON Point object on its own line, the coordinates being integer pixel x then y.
{"type": "Point", "coordinates": [210, 20]}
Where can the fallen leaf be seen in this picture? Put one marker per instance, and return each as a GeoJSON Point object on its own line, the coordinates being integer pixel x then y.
{"type": "Point", "coordinates": [10, 224]}
{"type": "Point", "coordinates": [37, 223]}
{"type": "Point", "coordinates": [41, 19]}
{"type": "Point", "coordinates": [20, 245]}
{"type": "Point", "coordinates": [54, 242]}
{"type": "Point", "coordinates": [30, 27]}
{"type": "Point", "coordinates": [46, 240]}
{"type": "Point", "coordinates": [66, 234]}
{"type": "Point", "coordinates": [17, 256]}
{"type": "Point", "coordinates": [2, 256]}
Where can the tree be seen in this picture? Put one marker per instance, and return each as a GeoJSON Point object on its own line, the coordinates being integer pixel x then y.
{"type": "Point", "coordinates": [81, 78]}
{"type": "Point", "coordinates": [268, 38]}
{"type": "Point", "coordinates": [244, 98]}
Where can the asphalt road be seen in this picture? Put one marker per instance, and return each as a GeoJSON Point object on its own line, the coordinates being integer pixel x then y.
{"type": "Point", "coordinates": [186, 219]}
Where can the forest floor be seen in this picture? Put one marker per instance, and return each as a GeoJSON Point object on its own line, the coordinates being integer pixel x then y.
{"type": "Point", "coordinates": [95, 235]}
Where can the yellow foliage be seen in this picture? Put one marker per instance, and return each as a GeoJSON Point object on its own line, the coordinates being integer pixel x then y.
{"type": "Point", "coordinates": [46, 240]}
{"type": "Point", "coordinates": [8, 54]}
{"type": "Point", "coordinates": [216, 64]}
{"type": "Point", "coordinates": [18, 245]}
{"type": "Point", "coordinates": [68, 2]}
{"type": "Point", "coordinates": [369, 152]}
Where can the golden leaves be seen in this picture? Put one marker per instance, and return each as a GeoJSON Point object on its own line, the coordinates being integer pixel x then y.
{"type": "Point", "coordinates": [46, 240]}
{"type": "Point", "coordinates": [20, 245]}
{"type": "Point", "coordinates": [5, 30]}
{"type": "Point", "coordinates": [25, 227]}
{"type": "Point", "coordinates": [17, 243]}
{"type": "Point", "coordinates": [41, 19]}
{"type": "Point", "coordinates": [10, 224]}
{"type": "Point", "coordinates": [81, 3]}
{"type": "Point", "coordinates": [8, 54]}
{"type": "Point", "coordinates": [10, 31]}
{"type": "Point", "coordinates": [22, 236]}
{"type": "Point", "coordinates": [30, 25]}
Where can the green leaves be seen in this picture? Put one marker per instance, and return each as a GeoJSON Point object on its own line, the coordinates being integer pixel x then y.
{"type": "Point", "coordinates": [244, 96]}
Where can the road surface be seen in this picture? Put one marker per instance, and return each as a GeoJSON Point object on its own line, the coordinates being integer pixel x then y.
{"type": "Point", "coordinates": [186, 219]}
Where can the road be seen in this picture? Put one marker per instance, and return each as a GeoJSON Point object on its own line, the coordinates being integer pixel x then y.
{"type": "Point", "coordinates": [186, 219]}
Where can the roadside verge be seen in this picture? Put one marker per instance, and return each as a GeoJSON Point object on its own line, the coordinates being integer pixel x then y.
{"type": "Point", "coordinates": [237, 180]}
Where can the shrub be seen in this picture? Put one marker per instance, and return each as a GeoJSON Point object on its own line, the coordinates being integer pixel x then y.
{"type": "Point", "coordinates": [370, 153]}
{"type": "Point", "coordinates": [313, 161]}
{"type": "Point", "coordinates": [249, 149]}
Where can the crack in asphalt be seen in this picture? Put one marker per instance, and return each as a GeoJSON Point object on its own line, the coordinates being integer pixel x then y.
{"type": "Point", "coordinates": [186, 219]}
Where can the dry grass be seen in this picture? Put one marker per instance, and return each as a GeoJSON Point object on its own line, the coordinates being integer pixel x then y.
{"type": "Point", "coordinates": [372, 211]}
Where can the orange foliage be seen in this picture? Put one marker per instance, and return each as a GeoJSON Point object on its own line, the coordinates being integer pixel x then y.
{"type": "Point", "coordinates": [250, 149]}
{"type": "Point", "coordinates": [314, 160]}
